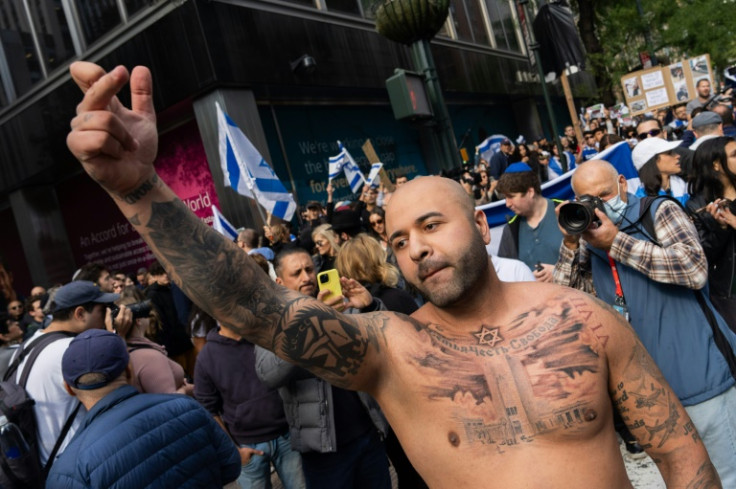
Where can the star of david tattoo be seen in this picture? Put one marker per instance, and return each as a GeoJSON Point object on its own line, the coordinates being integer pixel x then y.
{"type": "Point", "coordinates": [488, 336]}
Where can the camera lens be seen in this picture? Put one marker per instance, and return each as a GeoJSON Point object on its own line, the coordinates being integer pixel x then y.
{"type": "Point", "coordinates": [576, 217]}
{"type": "Point", "coordinates": [323, 279]}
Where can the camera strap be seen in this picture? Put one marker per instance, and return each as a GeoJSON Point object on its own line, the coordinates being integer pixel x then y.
{"type": "Point", "coordinates": [620, 303]}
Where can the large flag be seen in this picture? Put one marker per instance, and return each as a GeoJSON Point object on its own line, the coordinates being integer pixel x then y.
{"type": "Point", "coordinates": [490, 146]}
{"type": "Point", "coordinates": [222, 225]}
{"type": "Point", "coordinates": [619, 155]}
{"type": "Point", "coordinates": [248, 173]}
{"type": "Point", "coordinates": [343, 161]}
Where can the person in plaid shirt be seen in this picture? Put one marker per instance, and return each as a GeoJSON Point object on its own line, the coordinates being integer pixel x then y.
{"type": "Point", "coordinates": [655, 282]}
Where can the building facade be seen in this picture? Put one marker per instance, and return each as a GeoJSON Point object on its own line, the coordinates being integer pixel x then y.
{"type": "Point", "coordinates": [248, 55]}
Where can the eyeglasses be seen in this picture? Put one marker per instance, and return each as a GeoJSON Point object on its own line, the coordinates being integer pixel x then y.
{"type": "Point", "coordinates": [15, 307]}
{"type": "Point", "coordinates": [377, 221]}
{"type": "Point", "coordinates": [320, 243]}
{"type": "Point", "coordinates": [653, 134]}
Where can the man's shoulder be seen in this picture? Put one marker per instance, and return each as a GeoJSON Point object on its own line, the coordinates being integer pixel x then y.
{"type": "Point", "coordinates": [48, 360]}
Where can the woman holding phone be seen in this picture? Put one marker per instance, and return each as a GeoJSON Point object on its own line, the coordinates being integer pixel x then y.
{"type": "Point", "coordinates": [712, 205]}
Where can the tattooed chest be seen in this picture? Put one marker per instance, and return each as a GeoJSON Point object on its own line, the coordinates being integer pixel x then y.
{"type": "Point", "coordinates": [545, 379]}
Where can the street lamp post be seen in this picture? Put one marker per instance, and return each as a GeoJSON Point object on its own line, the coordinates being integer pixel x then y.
{"type": "Point", "coordinates": [415, 23]}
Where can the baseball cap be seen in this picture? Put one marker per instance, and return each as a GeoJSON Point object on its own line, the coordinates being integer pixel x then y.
{"type": "Point", "coordinates": [81, 292]}
{"type": "Point", "coordinates": [706, 118]}
{"type": "Point", "coordinates": [94, 351]}
{"type": "Point", "coordinates": [649, 148]}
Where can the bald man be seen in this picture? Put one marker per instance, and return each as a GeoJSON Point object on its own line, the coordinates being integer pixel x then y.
{"type": "Point", "coordinates": [491, 384]}
{"type": "Point", "coordinates": [660, 272]}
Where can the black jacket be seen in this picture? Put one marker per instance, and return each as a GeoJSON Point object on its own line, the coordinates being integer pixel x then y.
{"type": "Point", "coordinates": [718, 244]}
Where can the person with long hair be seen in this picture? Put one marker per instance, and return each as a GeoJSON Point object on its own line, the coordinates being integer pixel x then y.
{"type": "Point", "coordinates": [712, 194]}
{"type": "Point", "coordinates": [363, 259]}
{"type": "Point", "coordinates": [152, 370]}
{"type": "Point", "coordinates": [658, 165]}
{"type": "Point", "coordinates": [377, 222]}
{"type": "Point", "coordinates": [326, 242]}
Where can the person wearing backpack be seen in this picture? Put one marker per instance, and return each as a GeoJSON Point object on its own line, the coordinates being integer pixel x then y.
{"type": "Point", "coordinates": [645, 259]}
{"type": "Point", "coordinates": [78, 306]}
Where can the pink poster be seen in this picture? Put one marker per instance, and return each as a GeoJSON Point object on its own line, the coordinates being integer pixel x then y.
{"type": "Point", "coordinates": [97, 230]}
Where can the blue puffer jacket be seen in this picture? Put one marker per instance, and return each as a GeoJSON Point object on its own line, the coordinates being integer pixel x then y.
{"type": "Point", "coordinates": [146, 440]}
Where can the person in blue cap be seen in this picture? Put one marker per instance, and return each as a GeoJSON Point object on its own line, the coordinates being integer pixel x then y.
{"type": "Point", "coordinates": [128, 439]}
{"type": "Point", "coordinates": [532, 234]}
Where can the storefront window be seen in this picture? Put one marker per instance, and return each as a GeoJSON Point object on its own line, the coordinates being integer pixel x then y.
{"type": "Point", "coordinates": [343, 6]}
{"type": "Point", "coordinates": [503, 24]}
{"type": "Point", "coordinates": [52, 30]}
{"type": "Point", "coordinates": [17, 44]}
{"type": "Point", "coordinates": [97, 17]}
{"type": "Point", "coordinates": [469, 21]}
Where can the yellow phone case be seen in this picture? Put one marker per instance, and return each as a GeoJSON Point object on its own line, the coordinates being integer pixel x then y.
{"type": "Point", "coordinates": [329, 280]}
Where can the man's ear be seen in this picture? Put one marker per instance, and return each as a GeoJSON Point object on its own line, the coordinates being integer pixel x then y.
{"type": "Point", "coordinates": [69, 390]}
{"type": "Point", "coordinates": [79, 313]}
{"type": "Point", "coordinates": [481, 222]}
{"type": "Point", "coordinates": [279, 281]}
{"type": "Point", "coordinates": [623, 184]}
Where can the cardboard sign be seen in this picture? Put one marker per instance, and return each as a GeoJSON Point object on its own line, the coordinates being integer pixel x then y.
{"type": "Point", "coordinates": [665, 86]}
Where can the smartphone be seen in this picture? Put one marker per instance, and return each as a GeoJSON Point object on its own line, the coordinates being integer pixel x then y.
{"type": "Point", "coordinates": [329, 280]}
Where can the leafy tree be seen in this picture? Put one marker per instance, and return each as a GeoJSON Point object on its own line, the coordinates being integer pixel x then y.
{"type": "Point", "coordinates": [614, 33]}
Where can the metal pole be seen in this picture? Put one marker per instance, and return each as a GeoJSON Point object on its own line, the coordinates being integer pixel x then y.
{"type": "Point", "coordinates": [647, 35]}
{"type": "Point", "coordinates": [534, 47]}
{"type": "Point", "coordinates": [424, 63]}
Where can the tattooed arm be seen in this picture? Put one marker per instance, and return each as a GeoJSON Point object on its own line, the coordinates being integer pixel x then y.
{"type": "Point", "coordinates": [651, 409]}
{"type": "Point", "coordinates": [117, 147]}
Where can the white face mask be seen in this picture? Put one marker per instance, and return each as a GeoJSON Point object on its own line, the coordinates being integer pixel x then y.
{"type": "Point", "coordinates": [615, 207]}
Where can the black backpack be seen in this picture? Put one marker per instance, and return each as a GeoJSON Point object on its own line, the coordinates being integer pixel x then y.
{"type": "Point", "coordinates": [25, 472]}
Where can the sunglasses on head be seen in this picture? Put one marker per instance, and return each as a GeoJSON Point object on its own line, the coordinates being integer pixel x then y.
{"type": "Point", "coordinates": [653, 133]}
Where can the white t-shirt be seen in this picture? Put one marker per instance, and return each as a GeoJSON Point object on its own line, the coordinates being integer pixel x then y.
{"type": "Point", "coordinates": [510, 270]}
{"type": "Point", "coordinates": [53, 403]}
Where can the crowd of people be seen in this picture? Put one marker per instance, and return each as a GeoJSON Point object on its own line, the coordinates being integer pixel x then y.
{"type": "Point", "coordinates": [425, 361]}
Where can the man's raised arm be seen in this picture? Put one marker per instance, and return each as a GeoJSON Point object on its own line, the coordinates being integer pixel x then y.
{"type": "Point", "coordinates": [117, 147]}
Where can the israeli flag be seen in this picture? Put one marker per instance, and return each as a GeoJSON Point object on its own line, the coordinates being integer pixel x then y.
{"type": "Point", "coordinates": [619, 155]}
{"type": "Point", "coordinates": [490, 146]}
{"type": "Point", "coordinates": [221, 225]}
{"type": "Point", "coordinates": [247, 172]}
{"type": "Point", "coordinates": [343, 161]}
{"type": "Point", "coordinates": [375, 169]}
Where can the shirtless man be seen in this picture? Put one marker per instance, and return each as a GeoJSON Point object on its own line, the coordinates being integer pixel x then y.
{"type": "Point", "coordinates": [495, 385]}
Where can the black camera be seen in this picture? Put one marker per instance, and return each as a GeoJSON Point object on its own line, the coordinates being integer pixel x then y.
{"type": "Point", "coordinates": [577, 216]}
{"type": "Point", "coordinates": [139, 309]}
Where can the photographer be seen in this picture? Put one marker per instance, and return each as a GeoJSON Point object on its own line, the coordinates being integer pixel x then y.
{"type": "Point", "coordinates": [152, 371]}
{"type": "Point", "coordinates": [655, 281]}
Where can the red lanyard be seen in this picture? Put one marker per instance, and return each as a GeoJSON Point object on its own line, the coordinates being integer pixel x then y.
{"type": "Point", "coordinates": [614, 271]}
